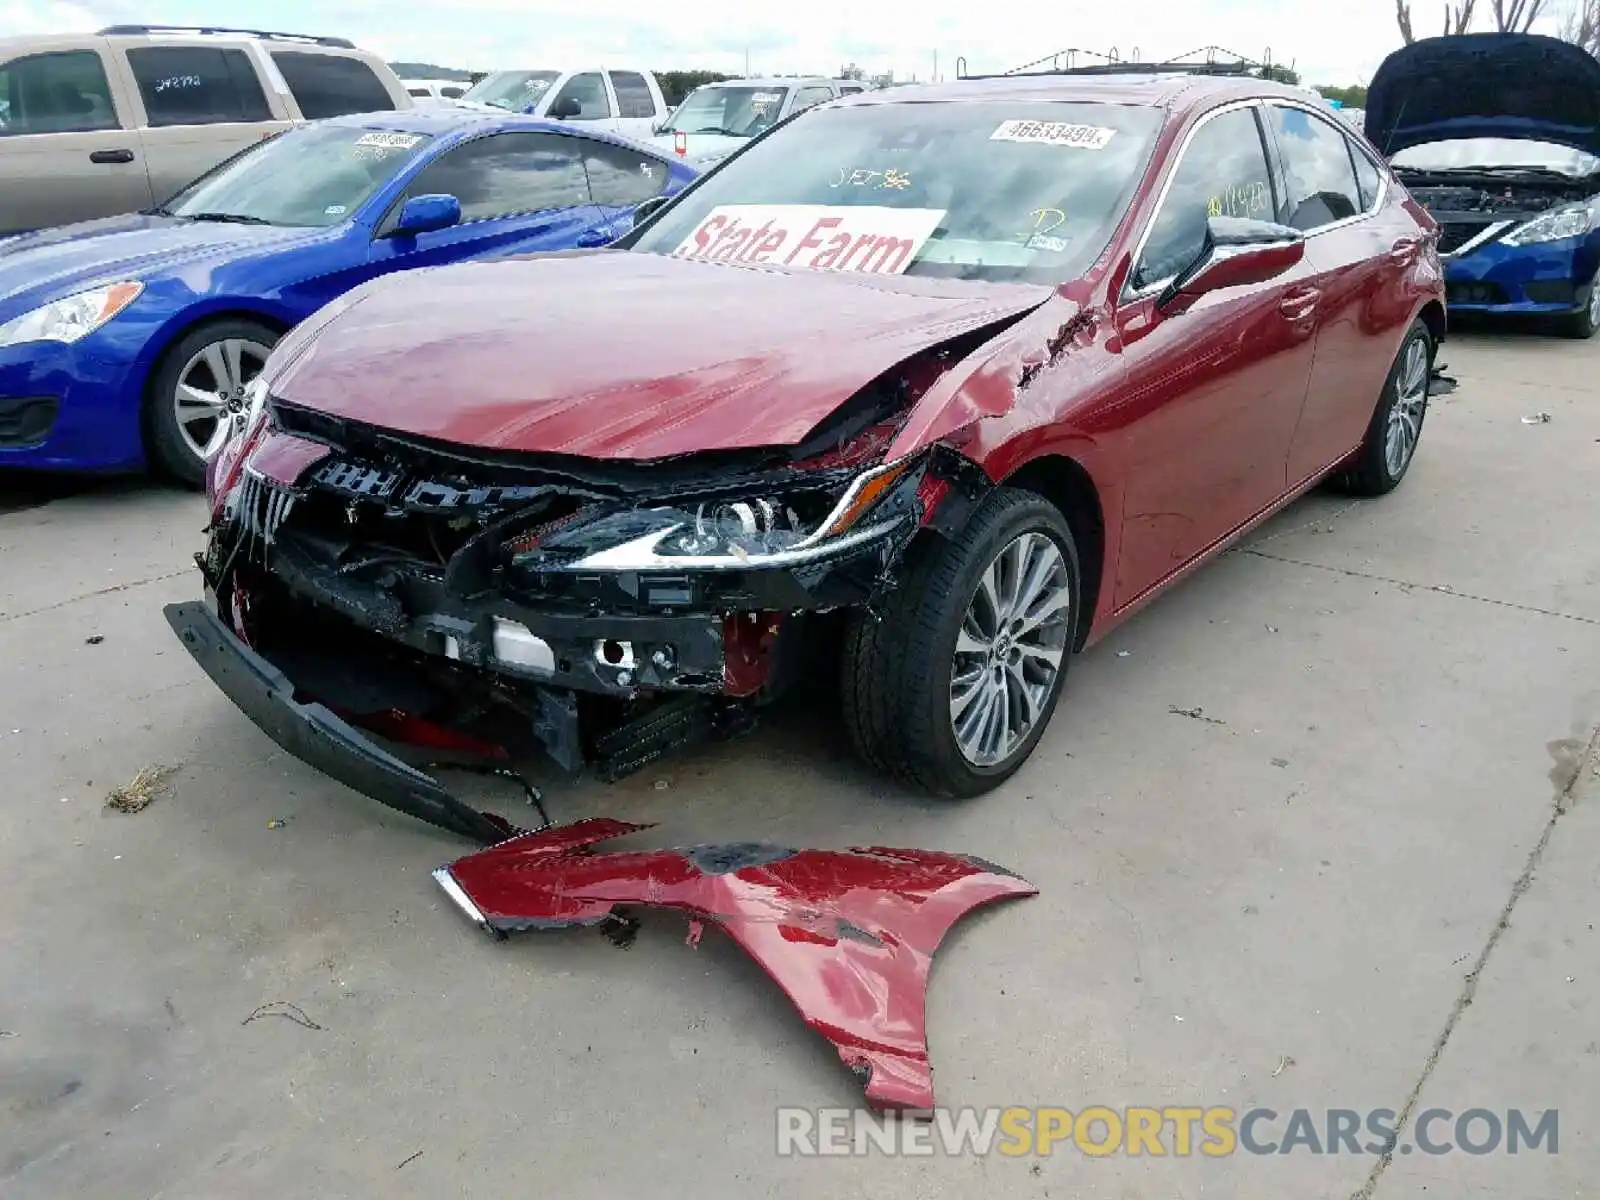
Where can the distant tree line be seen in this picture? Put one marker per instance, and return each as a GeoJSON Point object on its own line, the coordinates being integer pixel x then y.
{"type": "Point", "coordinates": [1354, 96]}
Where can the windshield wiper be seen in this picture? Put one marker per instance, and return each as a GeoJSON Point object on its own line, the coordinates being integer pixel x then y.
{"type": "Point", "coordinates": [227, 218]}
{"type": "Point", "coordinates": [720, 131]}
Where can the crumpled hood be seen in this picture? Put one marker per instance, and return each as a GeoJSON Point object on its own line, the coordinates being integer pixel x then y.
{"type": "Point", "coordinates": [622, 355]}
{"type": "Point", "coordinates": [1485, 85]}
{"type": "Point", "coordinates": [37, 268]}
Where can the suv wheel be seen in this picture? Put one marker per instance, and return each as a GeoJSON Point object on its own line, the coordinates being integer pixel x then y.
{"type": "Point", "coordinates": [952, 686]}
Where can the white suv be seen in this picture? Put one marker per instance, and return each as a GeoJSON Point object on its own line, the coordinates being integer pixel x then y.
{"type": "Point", "coordinates": [92, 125]}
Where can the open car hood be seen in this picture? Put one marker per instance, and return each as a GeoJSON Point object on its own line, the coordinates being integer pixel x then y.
{"type": "Point", "coordinates": [848, 934]}
{"type": "Point", "coordinates": [1485, 85]}
{"type": "Point", "coordinates": [622, 355]}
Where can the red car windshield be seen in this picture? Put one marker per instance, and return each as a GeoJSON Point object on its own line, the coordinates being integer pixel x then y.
{"type": "Point", "coordinates": [992, 191]}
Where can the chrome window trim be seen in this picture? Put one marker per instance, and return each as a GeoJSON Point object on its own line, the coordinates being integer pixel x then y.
{"type": "Point", "coordinates": [1260, 103]}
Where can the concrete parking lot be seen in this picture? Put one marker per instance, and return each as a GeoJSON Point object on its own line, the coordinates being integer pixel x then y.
{"type": "Point", "coordinates": [1365, 879]}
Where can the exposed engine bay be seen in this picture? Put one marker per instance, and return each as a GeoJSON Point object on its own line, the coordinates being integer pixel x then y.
{"type": "Point", "coordinates": [603, 613]}
{"type": "Point", "coordinates": [1468, 205]}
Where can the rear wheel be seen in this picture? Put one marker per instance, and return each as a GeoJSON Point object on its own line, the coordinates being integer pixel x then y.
{"type": "Point", "coordinates": [198, 390]}
{"type": "Point", "coordinates": [1396, 425]}
{"type": "Point", "coordinates": [952, 688]}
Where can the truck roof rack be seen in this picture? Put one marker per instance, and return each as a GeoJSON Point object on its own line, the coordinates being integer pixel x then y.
{"type": "Point", "coordinates": [1112, 63]}
{"type": "Point", "coordinates": [217, 30]}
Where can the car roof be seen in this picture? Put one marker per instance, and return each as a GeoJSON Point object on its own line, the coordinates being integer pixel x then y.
{"type": "Point", "coordinates": [769, 81]}
{"type": "Point", "coordinates": [1176, 92]}
{"type": "Point", "coordinates": [446, 120]}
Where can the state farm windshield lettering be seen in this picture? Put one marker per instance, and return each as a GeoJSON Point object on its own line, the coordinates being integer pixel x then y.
{"type": "Point", "coordinates": [812, 237]}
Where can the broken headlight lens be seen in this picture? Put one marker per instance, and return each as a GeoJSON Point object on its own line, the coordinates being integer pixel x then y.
{"type": "Point", "coordinates": [721, 534]}
{"type": "Point", "coordinates": [1570, 220]}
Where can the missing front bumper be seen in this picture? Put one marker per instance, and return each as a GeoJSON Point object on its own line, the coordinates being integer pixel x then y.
{"type": "Point", "coordinates": [315, 735]}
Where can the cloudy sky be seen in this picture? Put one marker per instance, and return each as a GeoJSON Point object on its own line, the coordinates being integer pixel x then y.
{"type": "Point", "coordinates": [1339, 42]}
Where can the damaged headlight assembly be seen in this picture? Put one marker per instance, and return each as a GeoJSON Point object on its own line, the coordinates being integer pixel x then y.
{"type": "Point", "coordinates": [748, 533]}
{"type": "Point", "coordinates": [1570, 220]}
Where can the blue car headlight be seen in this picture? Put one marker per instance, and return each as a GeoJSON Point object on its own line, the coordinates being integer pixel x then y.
{"type": "Point", "coordinates": [72, 317]}
{"type": "Point", "coordinates": [1570, 220]}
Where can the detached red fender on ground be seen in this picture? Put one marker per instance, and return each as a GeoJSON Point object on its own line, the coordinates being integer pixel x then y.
{"type": "Point", "coordinates": [848, 934]}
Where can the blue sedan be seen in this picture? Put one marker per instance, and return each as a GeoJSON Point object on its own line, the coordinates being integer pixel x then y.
{"type": "Point", "coordinates": [130, 341]}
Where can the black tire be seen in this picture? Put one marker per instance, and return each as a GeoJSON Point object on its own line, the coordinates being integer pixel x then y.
{"type": "Point", "coordinates": [1371, 474]}
{"type": "Point", "coordinates": [1582, 324]}
{"type": "Point", "coordinates": [166, 447]}
{"type": "Point", "coordinates": [896, 671]}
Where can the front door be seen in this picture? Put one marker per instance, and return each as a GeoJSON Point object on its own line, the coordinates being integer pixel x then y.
{"type": "Point", "coordinates": [1213, 394]}
{"type": "Point", "coordinates": [591, 95]}
{"type": "Point", "coordinates": [68, 150]}
{"type": "Point", "coordinates": [519, 193]}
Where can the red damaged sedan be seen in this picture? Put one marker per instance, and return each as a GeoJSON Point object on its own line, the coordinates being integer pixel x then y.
{"type": "Point", "coordinates": [937, 383]}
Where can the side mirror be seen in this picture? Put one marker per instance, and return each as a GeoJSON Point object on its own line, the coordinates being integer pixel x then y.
{"type": "Point", "coordinates": [424, 214]}
{"type": "Point", "coordinates": [647, 209]}
{"type": "Point", "coordinates": [564, 109]}
{"type": "Point", "coordinates": [1237, 252]}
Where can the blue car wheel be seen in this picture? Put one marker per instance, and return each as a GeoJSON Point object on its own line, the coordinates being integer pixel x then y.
{"type": "Point", "coordinates": [1586, 320]}
{"type": "Point", "coordinates": [197, 391]}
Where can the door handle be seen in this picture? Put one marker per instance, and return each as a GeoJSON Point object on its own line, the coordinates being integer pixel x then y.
{"type": "Point", "coordinates": [1299, 303]}
{"type": "Point", "coordinates": [111, 156]}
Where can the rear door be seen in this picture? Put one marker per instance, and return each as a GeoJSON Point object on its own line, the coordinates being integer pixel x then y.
{"type": "Point", "coordinates": [332, 85]}
{"type": "Point", "coordinates": [636, 104]}
{"type": "Point", "coordinates": [1213, 393]}
{"type": "Point", "coordinates": [69, 149]}
{"type": "Point", "coordinates": [519, 192]}
{"type": "Point", "coordinates": [200, 105]}
{"type": "Point", "coordinates": [1360, 255]}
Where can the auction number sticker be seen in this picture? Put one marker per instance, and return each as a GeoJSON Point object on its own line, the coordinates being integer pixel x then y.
{"type": "Point", "coordinates": [1054, 133]}
{"type": "Point", "coordinates": [390, 141]}
{"type": "Point", "coordinates": [812, 237]}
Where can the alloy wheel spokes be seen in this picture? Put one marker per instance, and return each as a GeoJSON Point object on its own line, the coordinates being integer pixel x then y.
{"type": "Point", "coordinates": [1010, 649]}
{"type": "Point", "coordinates": [209, 397]}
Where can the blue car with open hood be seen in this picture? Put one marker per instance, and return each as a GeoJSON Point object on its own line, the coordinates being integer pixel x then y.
{"type": "Point", "coordinates": [131, 340]}
{"type": "Point", "coordinates": [1498, 136]}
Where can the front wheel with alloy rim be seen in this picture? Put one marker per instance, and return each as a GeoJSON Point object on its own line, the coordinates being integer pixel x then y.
{"type": "Point", "coordinates": [1396, 426]}
{"type": "Point", "coordinates": [950, 687]}
{"type": "Point", "coordinates": [197, 394]}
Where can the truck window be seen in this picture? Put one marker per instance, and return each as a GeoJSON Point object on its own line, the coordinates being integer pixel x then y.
{"type": "Point", "coordinates": [633, 94]}
{"type": "Point", "coordinates": [807, 97]}
{"type": "Point", "coordinates": [55, 93]}
{"type": "Point", "coordinates": [589, 90]}
{"type": "Point", "coordinates": [195, 85]}
{"type": "Point", "coordinates": [329, 85]}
